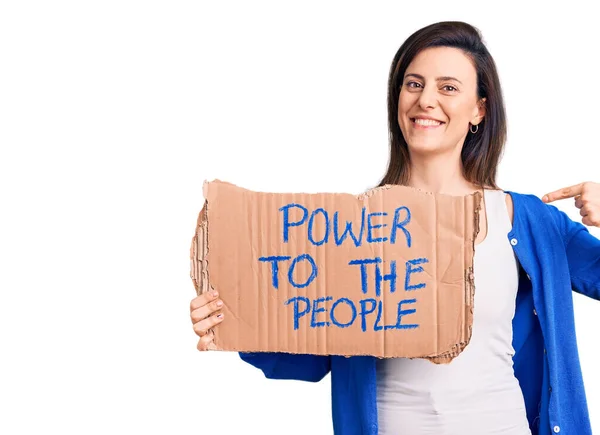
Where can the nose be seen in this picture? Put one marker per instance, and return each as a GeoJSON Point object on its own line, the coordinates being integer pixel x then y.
{"type": "Point", "coordinates": [428, 97]}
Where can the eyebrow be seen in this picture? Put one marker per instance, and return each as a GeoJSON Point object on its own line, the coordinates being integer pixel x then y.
{"type": "Point", "coordinates": [437, 78]}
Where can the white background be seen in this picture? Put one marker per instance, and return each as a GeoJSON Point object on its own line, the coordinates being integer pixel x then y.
{"type": "Point", "coordinates": [113, 113]}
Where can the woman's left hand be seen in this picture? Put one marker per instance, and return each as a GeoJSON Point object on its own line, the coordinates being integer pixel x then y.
{"type": "Point", "coordinates": [587, 200]}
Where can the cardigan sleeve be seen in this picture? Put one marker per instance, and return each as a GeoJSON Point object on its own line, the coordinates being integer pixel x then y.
{"type": "Point", "coordinates": [583, 254]}
{"type": "Point", "coordinates": [279, 365]}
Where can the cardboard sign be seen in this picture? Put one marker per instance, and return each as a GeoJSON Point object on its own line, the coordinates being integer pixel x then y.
{"type": "Point", "coordinates": [386, 273]}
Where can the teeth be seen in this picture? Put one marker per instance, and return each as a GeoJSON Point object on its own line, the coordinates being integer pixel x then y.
{"type": "Point", "coordinates": [426, 122]}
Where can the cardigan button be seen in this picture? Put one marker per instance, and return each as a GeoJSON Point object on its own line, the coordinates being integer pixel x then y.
{"type": "Point", "coordinates": [513, 242]}
{"type": "Point", "coordinates": [556, 429]}
{"type": "Point", "coordinates": [534, 312]}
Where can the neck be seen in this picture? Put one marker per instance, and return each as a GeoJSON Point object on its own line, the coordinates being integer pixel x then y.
{"type": "Point", "coordinates": [439, 174]}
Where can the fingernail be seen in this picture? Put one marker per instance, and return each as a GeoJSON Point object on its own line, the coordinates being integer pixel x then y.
{"type": "Point", "coordinates": [220, 316]}
{"type": "Point", "coordinates": [215, 294]}
{"type": "Point", "coordinates": [219, 303]}
{"type": "Point", "coordinates": [545, 198]}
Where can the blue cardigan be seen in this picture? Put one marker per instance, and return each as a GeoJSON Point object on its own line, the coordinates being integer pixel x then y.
{"type": "Point", "coordinates": [557, 255]}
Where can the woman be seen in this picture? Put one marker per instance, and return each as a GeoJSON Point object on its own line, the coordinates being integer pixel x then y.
{"type": "Point", "coordinates": [520, 373]}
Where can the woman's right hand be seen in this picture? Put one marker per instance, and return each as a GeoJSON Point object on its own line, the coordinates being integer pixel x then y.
{"type": "Point", "coordinates": [203, 311]}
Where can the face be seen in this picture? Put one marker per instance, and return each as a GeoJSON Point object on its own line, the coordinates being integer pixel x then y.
{"type": "Point", "coordinates": [440, 83]}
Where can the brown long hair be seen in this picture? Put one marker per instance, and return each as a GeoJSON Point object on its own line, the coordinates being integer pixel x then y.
{"type": "Point", "coordinates": [481, 151]}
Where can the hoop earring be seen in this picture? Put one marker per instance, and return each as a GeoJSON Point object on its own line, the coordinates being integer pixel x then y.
{"type": "Point", "coordinates": [476, 128]}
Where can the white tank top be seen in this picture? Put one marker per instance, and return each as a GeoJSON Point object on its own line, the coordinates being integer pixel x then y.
{"type": "Point", "coordinates": [477, 393]}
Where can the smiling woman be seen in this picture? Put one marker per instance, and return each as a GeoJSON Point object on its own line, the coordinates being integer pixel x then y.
{"type": "Point", "coordinates": [520, 373]}
{"type": "Point", "coordinates": [443, 128]}
{"type": "Point", "coordinates": [448, 76]}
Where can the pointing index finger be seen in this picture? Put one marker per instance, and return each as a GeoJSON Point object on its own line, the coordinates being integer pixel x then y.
{"type": "Point", "coordinates": [566, 192]}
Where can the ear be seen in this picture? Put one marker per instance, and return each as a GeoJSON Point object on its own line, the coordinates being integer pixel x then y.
{"type": "Point", "coordinates": [480, 112]}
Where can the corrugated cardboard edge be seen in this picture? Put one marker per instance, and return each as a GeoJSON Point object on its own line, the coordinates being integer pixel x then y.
{"type": "Point", "coordinates": [447, 357]}
{"type": "Point", "coordinates": [199, 254]}
{"type": "Point", "coordinates": [199, 257]}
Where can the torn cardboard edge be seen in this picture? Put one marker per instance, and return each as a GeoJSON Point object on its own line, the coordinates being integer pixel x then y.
{"type": "Point", "coordinates": [200, 262]}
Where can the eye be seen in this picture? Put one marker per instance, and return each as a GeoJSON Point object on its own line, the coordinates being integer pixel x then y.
{"type": "Point", "coordinates": [450, 86]}
{"type": "Point", "coordinates": [412, 83]}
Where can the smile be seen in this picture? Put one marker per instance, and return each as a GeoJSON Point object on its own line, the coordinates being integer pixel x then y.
{"type": "Point", "coordinates": [425, 123]}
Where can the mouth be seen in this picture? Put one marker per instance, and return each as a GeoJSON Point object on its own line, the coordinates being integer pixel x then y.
{"type": "Point", "coordinates": [425, 123]}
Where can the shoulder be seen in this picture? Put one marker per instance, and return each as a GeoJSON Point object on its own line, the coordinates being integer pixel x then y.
{"type": "Point", "coordinates": [531, 208]}
{"type": "Point", "coordinates": [523, 200]}
{"type": "Point", "coordinates": [524, 203]}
